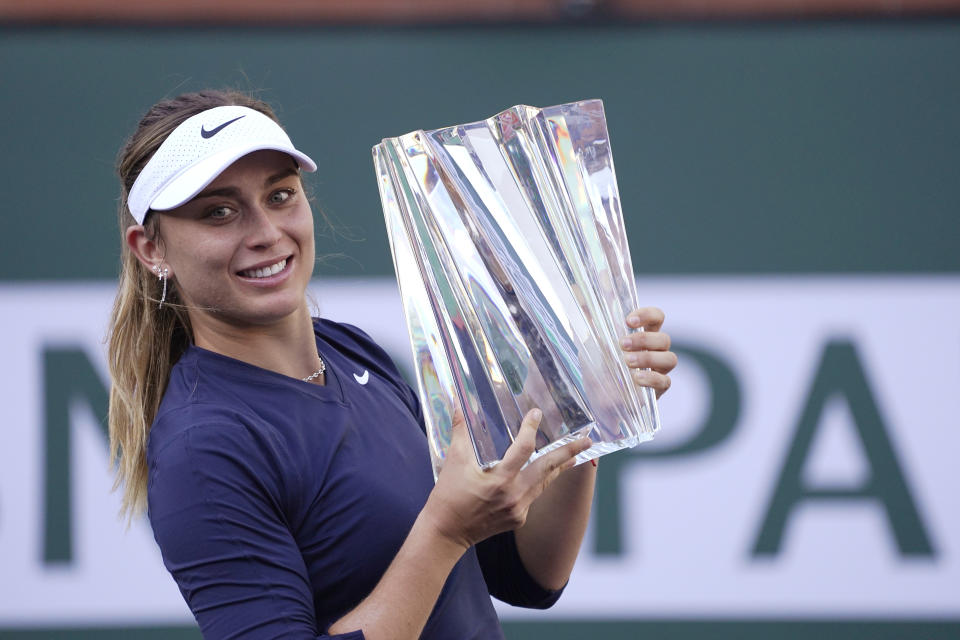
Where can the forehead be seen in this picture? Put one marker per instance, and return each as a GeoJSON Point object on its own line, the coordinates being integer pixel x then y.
{"type": "Point", "coordinates": [263, 164]}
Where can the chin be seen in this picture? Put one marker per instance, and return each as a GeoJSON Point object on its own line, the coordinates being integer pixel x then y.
{"type": "Point", "coordinates": [277, 312]}
{"type": "Point", "coordinates": [264, 313]}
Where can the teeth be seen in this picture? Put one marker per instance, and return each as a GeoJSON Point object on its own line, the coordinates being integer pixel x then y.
{"type": "Point", "coordinates": [265, 271]}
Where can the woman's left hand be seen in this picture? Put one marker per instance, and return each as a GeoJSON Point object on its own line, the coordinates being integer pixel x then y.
{"type": "Point", "coordinates": [649, 349]}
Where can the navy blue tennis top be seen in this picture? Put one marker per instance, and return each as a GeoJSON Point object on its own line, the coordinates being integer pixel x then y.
{"type": "Point", "coordinates": [278, 504]}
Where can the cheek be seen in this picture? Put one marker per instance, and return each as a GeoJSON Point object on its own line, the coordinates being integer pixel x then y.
{"type": "Point", "coordinates": [199, 258]}
{"type": "Point", "coordinates": [304, 219]}
{"type": "Point", "coordinates": [303, 229]}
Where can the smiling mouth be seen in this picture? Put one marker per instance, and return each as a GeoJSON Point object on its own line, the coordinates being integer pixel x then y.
{"type": "Point", "coordinates": [265, 272]}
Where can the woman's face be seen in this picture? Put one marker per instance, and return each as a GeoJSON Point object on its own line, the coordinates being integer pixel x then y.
{"type": "Point", "coordinates": [242, 251]}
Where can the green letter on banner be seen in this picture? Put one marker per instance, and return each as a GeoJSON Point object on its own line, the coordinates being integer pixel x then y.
{"type": "Point", "coordinates": [841, 373]}
{"type": "Point", "coordinates": [719, 424]}
{"type": "Point", "coordinates": [68, 377]}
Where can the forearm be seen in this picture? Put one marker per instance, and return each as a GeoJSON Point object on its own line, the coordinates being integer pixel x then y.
{"type": "Point", "coordinates": [398, 607]}
{"type": "Point", "coordinates": [467, 505]}
{"type": "Point", "coordinates": [550, 539]}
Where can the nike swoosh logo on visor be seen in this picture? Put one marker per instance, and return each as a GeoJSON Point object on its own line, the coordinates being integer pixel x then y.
{"type": "Point", "coordinates": [212, 132]}
{"type": "Point", "coordinates": [362, 379]}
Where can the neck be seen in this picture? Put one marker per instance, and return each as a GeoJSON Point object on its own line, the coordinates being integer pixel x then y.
{"type": "Point", "coordinates": [287, 347]}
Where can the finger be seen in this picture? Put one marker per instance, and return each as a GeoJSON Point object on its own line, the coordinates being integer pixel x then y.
{"type": "Point", "coordinates": [461, 444]}
{"type": "Point", "coordinates": [648, 318]}
{"type": "Point", "coordinates": [547, 467]}
{"type": "Point", "coordinates": [659, 361]}
{"type": "Point", "coordinates": [458, 418]}
{"type": "Point", "coordinates": [574, 449]}
{"type": "Point", "coordinates": [458, 426]}
{"type": "Point", "coordinates": [525, 444]}
{"type": "Point", "coordinates": [457, 436]}
{"type": "Point", "coordinates": [659, 382]}
{"type": "Point", "coordinates": [646, 341]}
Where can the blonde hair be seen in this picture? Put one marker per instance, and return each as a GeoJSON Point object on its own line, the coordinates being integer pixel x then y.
{"type": "Point", "coordinates": [144, 341]}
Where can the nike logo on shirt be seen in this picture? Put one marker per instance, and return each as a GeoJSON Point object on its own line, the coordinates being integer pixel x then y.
{"type": "Point", "coordinates": [362, 379]}
{"type": "Point", "coordinates": [212, 132]}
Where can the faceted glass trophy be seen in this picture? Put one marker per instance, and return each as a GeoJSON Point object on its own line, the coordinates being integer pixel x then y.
{"type": "Point", "coordinates": [512, 260]}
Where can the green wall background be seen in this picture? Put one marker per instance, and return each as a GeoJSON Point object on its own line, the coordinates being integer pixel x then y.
{"type": "Point", "coordinates": [814, 147]}
{"type": "Point", "coordinates": [740, 148]}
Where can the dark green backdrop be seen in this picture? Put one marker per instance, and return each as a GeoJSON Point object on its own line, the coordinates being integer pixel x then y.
{"type": "Point", "coordinates": [807, 147]}
{"type": "Point", "coordinates": [769, 147]}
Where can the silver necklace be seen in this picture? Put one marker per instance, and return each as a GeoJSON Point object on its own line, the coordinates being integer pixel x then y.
{"type": "Point", "coordinates": [316, 374]}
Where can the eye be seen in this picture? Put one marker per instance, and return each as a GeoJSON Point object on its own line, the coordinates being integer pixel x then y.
{"type": "Point", "coordinates": [280, 196]}
{"type": "Point", "coordinates": [219, 213]}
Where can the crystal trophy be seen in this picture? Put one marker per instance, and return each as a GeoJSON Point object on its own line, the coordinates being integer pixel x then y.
{"type": "Point", "coordinates": [510, 252]}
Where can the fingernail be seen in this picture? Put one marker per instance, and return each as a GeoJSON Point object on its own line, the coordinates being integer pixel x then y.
{"type": "Point", "coordinates": [633, 359]}
{"type": "Point", "coordinates": [633, 321]}
{"type": "Point", "coordinates": [625, 342]}
{"type": "Point", "coordinates": [536, 414]}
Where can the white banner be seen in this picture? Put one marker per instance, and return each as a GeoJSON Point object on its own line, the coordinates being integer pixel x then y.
{"type": "Point", "coordinates": [805, 468]}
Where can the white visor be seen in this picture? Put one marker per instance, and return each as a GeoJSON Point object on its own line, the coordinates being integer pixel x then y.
{"type": "Point", "coordinates": [199, 150]}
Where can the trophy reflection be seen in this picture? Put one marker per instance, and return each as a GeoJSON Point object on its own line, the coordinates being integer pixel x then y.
{"type": "Point", "coordinates": [515, 275]}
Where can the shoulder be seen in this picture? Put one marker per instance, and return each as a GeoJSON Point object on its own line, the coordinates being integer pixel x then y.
{"type": "Point", "coordinates": [215, 461]}
{"type": "Point", "coordinates": [206, 388]}
{"type": "Point", "coordinates": [363, 350]}
{"type": "Point", "coordinates": [206, 438]}
{"type": "Point", "coordinates": [195, 397]}
{"type": "Point", "coordinates": [359, 347]}
{"type": "Point", "coordinates": [211, 413]}
{"type": "Point", "coordinates": [351, 339]}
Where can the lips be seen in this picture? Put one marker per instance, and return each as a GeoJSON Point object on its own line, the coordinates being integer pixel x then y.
{"type": "Point", "coordinates": [266, 271]}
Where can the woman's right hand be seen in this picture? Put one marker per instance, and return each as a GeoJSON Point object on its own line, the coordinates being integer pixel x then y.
{"type": "Point", "coordinates": [466, 505]}
{"type": "Point", "coordinates": [469, 504]}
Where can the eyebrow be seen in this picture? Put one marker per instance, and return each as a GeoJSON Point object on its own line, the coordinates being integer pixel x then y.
{"type": "Point", "coordinates": [286, 173]}
{"type": "Point", "coordinates": [233, 191]}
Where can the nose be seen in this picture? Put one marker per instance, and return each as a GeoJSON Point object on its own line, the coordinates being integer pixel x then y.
{"type": "Point", "coordinates": [263, 230]}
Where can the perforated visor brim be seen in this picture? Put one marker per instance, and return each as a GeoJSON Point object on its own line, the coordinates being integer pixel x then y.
{"type": "Point", "coordinates": [192, 180]}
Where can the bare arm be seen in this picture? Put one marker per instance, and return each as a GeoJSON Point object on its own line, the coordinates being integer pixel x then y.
{"type": "Point", "coordinates": [399, 605]}
{"type": "Point", "coordinates": [467, 505]}
{"type": "Point", "coordinates": [550, 539]}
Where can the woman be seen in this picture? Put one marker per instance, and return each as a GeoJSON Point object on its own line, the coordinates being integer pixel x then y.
{"type": "Point", "coordinates": [287, 498]}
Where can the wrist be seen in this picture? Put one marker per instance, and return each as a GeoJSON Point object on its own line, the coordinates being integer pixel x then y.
{"type": "Point", "coordinates": [440, 532]}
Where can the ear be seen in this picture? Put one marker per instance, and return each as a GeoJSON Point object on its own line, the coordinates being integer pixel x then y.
{"type": "Point", "coordinates": [149, 251]}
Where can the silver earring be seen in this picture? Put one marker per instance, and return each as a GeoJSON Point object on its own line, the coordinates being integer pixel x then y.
{"type": "Point", "coordinates": [162, 274]}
